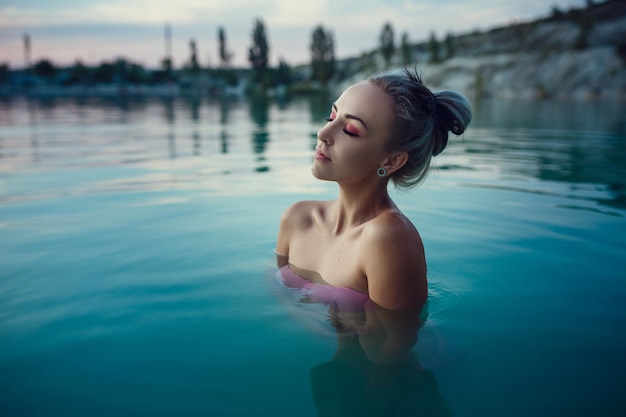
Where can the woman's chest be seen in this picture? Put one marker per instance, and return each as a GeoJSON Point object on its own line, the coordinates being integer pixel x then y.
{"type": "Point", "coordinates": [334, 258]}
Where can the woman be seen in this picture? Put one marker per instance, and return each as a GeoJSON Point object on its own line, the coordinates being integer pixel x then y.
{"type": "Point", "coordinates": [383, 129]}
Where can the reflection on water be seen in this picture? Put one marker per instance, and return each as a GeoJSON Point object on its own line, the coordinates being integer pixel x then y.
{"type": "Point", "coordinates": [374, 371]}
{"type": "Point", "coordinates": [320, 106]}
{"type": "Point", "coordinates": [511, 143]}
{"type": "Point", "coordinates": [350, 384]}
{"type": "Point", "coordinates": [581, 116]}
{"type": "Point", "coordinates": [170, 119]}
{"type": "Point", "coordinates": [259, 113]}
{"type": "Point", "coordinates": [224, 106]}
{"type": "Point", "coordinates": [577, 143]}
{"type": "Point", "coordinates": [34, 140]}
{"type": "Point", "coordinates": [580, 144]}
{"type": "Point", "coordinates": [516, 145]}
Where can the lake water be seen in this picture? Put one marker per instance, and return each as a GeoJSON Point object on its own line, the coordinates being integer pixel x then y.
{"type": "Point", "coordinates": [137, 272]}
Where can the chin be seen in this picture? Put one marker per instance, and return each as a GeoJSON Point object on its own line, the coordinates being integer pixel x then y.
{"type": "Point", "coordinates": [315, 170]}
{"type": "Point", "coordinates": [317, 173]}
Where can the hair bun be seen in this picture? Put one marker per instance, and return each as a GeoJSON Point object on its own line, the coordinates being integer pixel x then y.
{"type": "Point", "coordinates": [422, 122]}
{"type": "Point", "coordinates": [454, 111]}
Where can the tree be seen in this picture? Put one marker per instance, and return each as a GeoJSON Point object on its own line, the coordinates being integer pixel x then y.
{"type": "Point", "coordinates": [166, 65]}
{"type": "Point", "coordinates": [4, 73]}
{"type": "Point", "coordinates": [26, 39]}
{"type": "Point", "coordinates": [450, 45]}
{"type": "Point", "coordinates": [585, 26]}
{"type": "Point", "coordinates": [225, 54]}
{"type": "Point", "coordinates": [259, 52]}
{"type": "Point", "coordinates": [193, 60]}
{"type": "Point", "coordinates": [44, 68]}
{"type": "Point", "coordinates": [283, 74]}
{"type": "Point", "coordinates": [322, 55]}
{"type": "Point", "coordinates": [405, 47]}
{"type": "Point", "coordinates": [104, 73]}
{"type": "Point", "coordinates": [78, 74]}
{"type": "Point", "coordinates": [435, 48]}
{"type": "Point", "coordinates": [387, 46]}
{"type": "Point", "coordinates": [556, 12]}
{"type": "Point", "coordinates": [129, 72]}
{"type": "Point", "coordinates": [165, 73]}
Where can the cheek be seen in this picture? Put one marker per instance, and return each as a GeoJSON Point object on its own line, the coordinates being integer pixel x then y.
{"type": "Point", "coordinates": [365, 151]}
{"type": "Point", "coordinates": [363, 159]}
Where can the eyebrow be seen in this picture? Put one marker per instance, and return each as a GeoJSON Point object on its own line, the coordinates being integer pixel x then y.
{"type": "Point", "coordinates": [351, 116]}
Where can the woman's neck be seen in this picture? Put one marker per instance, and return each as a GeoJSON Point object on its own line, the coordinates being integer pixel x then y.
{"type": "Point", "coordinates": [357, 205]}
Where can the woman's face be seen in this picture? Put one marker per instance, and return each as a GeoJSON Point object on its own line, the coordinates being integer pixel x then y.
{"type": "Point", "coordinates": [351, 146]}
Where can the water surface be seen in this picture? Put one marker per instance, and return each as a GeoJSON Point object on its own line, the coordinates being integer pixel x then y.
{"type": "Point", "coordinates": [136, 264]}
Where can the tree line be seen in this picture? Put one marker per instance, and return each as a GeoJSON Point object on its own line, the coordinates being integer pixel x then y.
{"type": "Point", "coordinates": [323, 66]}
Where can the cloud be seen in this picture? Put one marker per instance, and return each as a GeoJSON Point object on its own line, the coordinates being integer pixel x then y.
{"type": "Point", "coordinates": [283, 12]}
{"type": "Point", "coordinates": [287, 13]}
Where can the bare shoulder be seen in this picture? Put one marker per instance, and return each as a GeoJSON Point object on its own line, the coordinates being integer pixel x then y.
{"type": "Point", "coordinates": [302, 213]}
{"type": "Point", "coordinates": [392, 257]}
{"type": "Point", "coordinates": [296, 218]}
{"type": "Point", "coordinates": [392, 225]}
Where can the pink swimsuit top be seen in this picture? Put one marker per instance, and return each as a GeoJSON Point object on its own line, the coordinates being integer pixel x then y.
{"type": "Point", "coordinates": [344, 299]}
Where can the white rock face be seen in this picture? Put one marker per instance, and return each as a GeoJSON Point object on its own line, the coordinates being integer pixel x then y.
{"type": "Point", "coordinates": [534, 60]}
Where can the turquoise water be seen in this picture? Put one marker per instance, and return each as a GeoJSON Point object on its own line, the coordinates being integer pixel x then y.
{"type": "Point", "coordinates": [137, 276]}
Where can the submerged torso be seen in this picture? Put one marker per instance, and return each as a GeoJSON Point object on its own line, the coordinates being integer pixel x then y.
{"type": "Point", "coordinates": [341, 298]}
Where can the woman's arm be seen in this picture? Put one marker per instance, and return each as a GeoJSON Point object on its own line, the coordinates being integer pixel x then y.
{"type": "Point", "coordinates": [292, 221]}
{"type": "Point", "coordinates": [284, 234]}
{"type": "Point", "coordinates": [392, 256]}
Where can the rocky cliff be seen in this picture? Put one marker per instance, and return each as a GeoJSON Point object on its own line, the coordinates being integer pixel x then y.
{"type": "Point", "coordinates": [578, 54]}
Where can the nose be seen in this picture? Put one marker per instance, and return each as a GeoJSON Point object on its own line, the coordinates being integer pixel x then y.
{"type": "Point", "coordinates": [325, 134]}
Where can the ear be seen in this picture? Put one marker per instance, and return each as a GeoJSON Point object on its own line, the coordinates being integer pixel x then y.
{"type": "Point", "coordinates": [395, 161]}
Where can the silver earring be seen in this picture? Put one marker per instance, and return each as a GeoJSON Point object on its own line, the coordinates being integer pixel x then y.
{"type": "Point", "coordinates": [381, 172]}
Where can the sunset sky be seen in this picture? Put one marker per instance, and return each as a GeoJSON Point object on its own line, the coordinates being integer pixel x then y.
{"type": "Point", "coordinates": [94, 30]}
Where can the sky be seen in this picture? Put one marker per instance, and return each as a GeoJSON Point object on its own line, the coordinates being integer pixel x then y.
{"type": "Point", "coordinates": [94, 31]}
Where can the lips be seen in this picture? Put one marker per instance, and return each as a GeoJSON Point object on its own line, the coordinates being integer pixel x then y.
{"type": "Point", "coordinates": [320, 156]}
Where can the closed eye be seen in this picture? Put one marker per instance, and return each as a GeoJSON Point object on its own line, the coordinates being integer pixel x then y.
{"type": "Point", "coordinates": [348, 130]}
{"type": "Point", "coordinates": [351, 130]}
{"type": "Point", "coordinates": [349, 133]}
{"type": "Point", "coordinates": [345, 129]}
